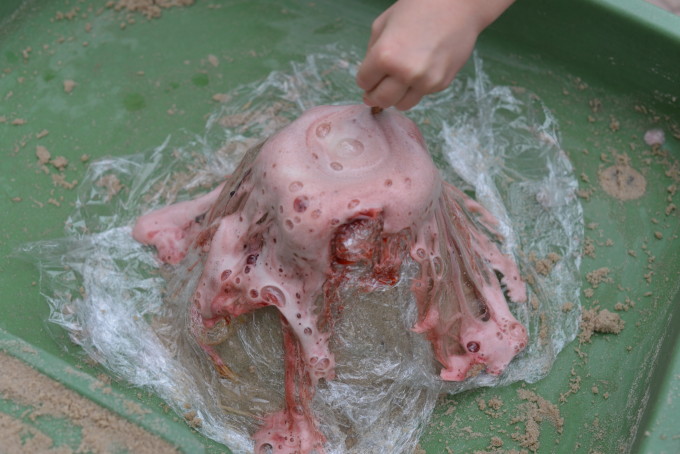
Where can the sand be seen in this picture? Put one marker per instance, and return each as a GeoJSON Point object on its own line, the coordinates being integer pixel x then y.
{"type": "Point", "coordinates": [532, 413]}
{"type": "Point", "coordinates": [623, 182]}
{"type": "Point", "coordinates": [101, 431]}
{"type": "Point", "coordinates": [602, 321]}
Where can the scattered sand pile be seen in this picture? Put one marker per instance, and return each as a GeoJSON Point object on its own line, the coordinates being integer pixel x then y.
{"type": "Point", "coordinates": [101, 431]}
{"type": "Point", "coordinates": [150, 8]}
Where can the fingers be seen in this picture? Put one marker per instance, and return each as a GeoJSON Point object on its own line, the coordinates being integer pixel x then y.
{"type": "Point", "coordinates": [370, 72]}
{"type": "Point", "coordinates": [410, 99]}
{"type": "Point", "coordinates": [406, 59]}
{"type": "Point", "coordinates": [402, 97]}
{"type": "Point", "coordinates": [387, 93]}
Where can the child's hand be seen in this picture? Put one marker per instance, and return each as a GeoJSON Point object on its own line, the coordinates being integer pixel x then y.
{"type": "Point", "coordinates": [418, 46]}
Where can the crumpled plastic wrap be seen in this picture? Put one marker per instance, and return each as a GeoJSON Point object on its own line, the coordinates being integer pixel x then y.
{"type": "Point", "coordinates": [130, 313]}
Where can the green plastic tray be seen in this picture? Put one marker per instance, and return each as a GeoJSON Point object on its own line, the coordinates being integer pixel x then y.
{"type": "Point", "coordinates": [609, 70]}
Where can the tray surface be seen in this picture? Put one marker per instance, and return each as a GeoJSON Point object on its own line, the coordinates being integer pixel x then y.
{"type": "Point", "coordinates": [94, 81]}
